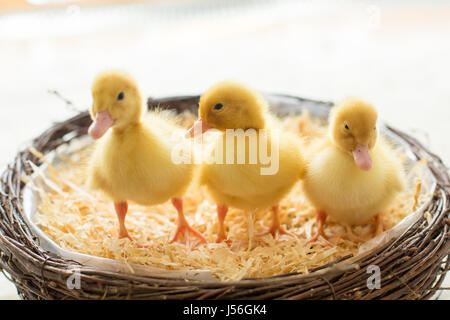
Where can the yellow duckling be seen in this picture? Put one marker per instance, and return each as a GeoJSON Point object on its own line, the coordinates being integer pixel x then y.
{"type": "Point", "coordinates": [353, 176]}
{"type": "Point", "coordinates": [132, 161]}
{"type": "Point", "coordinates": [245, 185]}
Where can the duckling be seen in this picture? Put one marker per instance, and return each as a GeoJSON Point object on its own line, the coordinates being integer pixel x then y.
{"type": "Point", "coordinates": [132, 160]}
{"type": "Point", "coordinates": [353, 175]}
{"type": "Point", "coordinates": [243, 185]}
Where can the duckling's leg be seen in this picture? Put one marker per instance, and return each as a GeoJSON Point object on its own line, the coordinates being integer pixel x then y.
{"type": "Point", "coordinates": [221, 214]}
{"type": "Point", "coordinates": [183, 227]}
{"type": "Point", "coordinates": [321, 217]}
{"type": "Point", "coordinates": [121, 210]}
{"type": "Point", "coordinates": [276, 228]}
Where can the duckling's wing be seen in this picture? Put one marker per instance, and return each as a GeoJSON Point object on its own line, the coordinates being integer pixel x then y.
{"type": "Point", "coordinates": [394, 164]}
{"type": "Point", "coordinates": [163, 122]}
{"type": "Point", "coordinates": [273, 121]}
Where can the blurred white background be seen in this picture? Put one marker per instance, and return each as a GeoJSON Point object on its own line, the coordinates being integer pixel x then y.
{"type": "Point", "coordinates": [394, 54]}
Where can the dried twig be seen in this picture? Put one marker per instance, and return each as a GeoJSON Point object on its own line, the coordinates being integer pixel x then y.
{"type": "Point", "coordinates": [68, 103]}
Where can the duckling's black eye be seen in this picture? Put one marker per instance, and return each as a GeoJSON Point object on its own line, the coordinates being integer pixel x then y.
{"type": "Point", "coordinates": [346, 127]}
{"type": "Point", "coordinates": [218, 106]}
{"type": "Point", "coordinates": [120, 96]}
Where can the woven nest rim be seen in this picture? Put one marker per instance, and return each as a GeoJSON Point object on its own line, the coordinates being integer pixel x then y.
{"type": "Point", "coordinates": [418, 259]}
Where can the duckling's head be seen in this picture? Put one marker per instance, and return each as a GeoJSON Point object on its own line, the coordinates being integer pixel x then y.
{"type": "Point", "coordinates": [116, 103]}
{"type": "Point", "coordinates": [230, 105]}
{"type": "Point", "coordinates": [353, 129]}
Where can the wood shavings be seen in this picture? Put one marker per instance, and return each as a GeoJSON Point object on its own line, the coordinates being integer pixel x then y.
{"type": "Point", "coordinates": [416, 194]}
{"type": "Point", "coordinates": [428, 216]}
{"type": "Point", "coordinates": [84, 221]}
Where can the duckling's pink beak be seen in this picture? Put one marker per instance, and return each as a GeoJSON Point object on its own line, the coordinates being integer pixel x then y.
{"type": "Point", "coordinates": [362, 157]}
{"type": "Point", "coordinates": [103, 121]}
{"type": "Point", "coordinates": [199, 127]}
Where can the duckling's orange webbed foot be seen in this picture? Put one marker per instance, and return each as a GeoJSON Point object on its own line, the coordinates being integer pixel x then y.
{"type": "Point", "coordinates": [121, 211]}
{"type": "Point", "coordinates": [183, 228]}
{"type": "Point", "coordinates": [221, 237]}
{"type": "Point", "coordinates": [320, 236]}
{"type": "Point", "coordinates": [183, 231]}
{"type": "Point", "coordinates": [275, 229]}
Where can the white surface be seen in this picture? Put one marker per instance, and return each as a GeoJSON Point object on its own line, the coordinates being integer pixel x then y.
{"type": "Point", "coordinates": [395, 55]}
{"type": "Point", "coordinates": [7, 289]}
